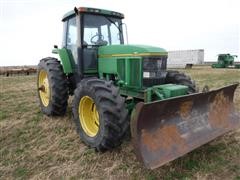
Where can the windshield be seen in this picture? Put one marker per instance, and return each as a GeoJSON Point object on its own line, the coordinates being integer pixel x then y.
{"type": "Point", "coordinates": [102, 30]}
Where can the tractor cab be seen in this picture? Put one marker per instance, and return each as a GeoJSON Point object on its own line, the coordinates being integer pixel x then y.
{"type": "Point", "coordinates": [85, 30]}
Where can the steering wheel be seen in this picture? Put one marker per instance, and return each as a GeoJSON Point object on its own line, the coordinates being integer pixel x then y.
{"type": "Point", "coordinates": [99, 37]}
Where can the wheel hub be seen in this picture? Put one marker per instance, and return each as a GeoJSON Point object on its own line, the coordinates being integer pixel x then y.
{"type": "Point", "coordinates": [43, 87]}
{"type": "Point", "coordinates": [88, 116]}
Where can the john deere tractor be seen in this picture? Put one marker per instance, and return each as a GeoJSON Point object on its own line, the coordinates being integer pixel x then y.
{"type": "Point", "coordinates": [120, 88]}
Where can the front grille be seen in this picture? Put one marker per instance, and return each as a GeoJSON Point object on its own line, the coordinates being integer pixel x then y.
{"type": "Point", "coordinates": [156, 66]}
{"type": "Point", "coordinates": [121, 68]}
{"type": "Point", "coordinates": [135, 72]}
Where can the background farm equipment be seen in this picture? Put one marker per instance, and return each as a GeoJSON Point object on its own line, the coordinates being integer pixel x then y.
{"type": "Point", "coordinates": [226, 61]}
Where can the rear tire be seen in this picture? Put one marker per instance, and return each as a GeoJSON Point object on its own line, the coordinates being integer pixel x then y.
{"type": "Point", "coordinates": [54, 102]}
{"type": "Point", "coordinates": [176, 77]}
{"type": "Point", "coordinates": [112, 114]}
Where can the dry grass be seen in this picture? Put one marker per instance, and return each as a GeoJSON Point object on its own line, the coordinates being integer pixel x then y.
{"type": "Point", "coordinates": [38, 147]}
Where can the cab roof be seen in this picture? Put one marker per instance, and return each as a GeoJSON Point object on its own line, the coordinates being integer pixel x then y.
{"type": "Point", "coordinates": [92, 11]}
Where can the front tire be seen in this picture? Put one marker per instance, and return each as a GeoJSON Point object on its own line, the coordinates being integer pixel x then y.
{"type": "Point", "coordinates": [99, 114]}
{"type": "Point", "coordinates": [52, 87]}
{"type": "Point", "coordinates": [176, 77]}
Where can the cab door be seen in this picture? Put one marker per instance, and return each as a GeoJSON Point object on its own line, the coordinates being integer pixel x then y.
{"type": "Point", "coordinates": [71, 37]}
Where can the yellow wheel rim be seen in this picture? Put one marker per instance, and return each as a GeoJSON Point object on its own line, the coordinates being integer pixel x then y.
{"type": "Point", "coordinates": [43, 87]}
{"type": "Point", "coordinates": [88, 115]}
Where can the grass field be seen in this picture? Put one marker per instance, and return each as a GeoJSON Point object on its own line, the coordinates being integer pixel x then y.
{"type": "Point", "coordinates": [39, 147]}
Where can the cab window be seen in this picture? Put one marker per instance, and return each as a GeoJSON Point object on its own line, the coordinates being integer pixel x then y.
{"type": "Point", "coordinates": [71, 39]}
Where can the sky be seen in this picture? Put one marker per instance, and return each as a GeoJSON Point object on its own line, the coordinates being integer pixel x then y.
{"type": "Point", "coordinates": [30, 28]}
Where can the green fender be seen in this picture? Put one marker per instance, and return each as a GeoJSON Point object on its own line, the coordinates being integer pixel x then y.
{"type": "Point", "coordinates": [66, 59]}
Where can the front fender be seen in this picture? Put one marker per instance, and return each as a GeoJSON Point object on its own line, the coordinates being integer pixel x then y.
{"type": "Point", "coordinates": [66, 58]}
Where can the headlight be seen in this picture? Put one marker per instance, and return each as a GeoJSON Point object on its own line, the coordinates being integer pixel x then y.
{"type": "Point", "coordinates": [149, 74]}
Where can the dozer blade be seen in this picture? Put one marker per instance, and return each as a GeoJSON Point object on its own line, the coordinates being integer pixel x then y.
{"type": "Point", "coordinates": [165, 130]}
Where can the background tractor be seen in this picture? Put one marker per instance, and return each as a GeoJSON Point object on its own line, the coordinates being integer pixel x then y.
{"type": "Point", "coordinates": [118, 87]}
{"type": "Point", "coordinates": [226, 61]}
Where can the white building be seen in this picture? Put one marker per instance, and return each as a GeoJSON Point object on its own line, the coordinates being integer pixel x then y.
{"type": "Point", "coordinates": [185, 58]}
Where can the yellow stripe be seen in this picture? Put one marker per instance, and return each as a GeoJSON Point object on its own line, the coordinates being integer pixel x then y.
{"type": "Point", "coordinates": [130, 55]}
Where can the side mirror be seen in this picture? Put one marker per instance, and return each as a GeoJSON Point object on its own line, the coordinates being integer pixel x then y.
{"type": "Point", "coordinates": [76, 10]}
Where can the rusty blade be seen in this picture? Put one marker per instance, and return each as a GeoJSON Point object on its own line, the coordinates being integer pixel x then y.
{"type": "Point", "coordinates": [165, 130]}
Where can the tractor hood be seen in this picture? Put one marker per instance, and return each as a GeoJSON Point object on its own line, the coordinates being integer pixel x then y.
{"type": "Point", "coordinates": [130, 50]}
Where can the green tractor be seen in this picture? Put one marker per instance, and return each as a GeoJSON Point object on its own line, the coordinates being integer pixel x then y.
{"type": "Point", "coordinates": [121, 89]}
{"type": "Point", "coordinates": [226, 61]}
